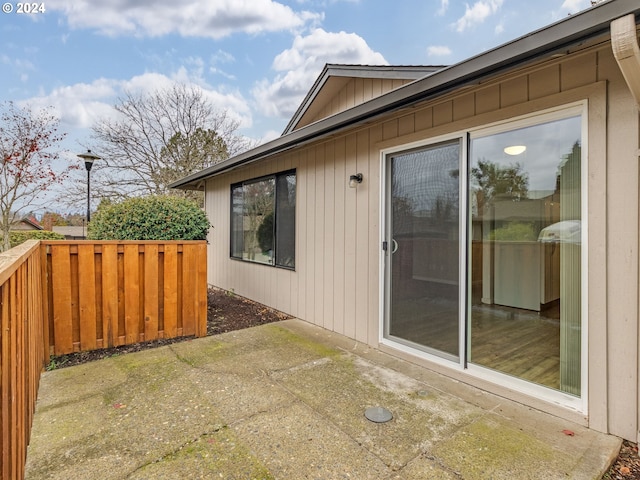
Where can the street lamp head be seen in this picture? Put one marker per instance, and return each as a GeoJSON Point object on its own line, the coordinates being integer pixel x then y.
{"type": "Point", "coordinates": [88, 158]}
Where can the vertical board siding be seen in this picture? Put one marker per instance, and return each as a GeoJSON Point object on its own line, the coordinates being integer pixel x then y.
{"type": "Point", "coordinates": [22, 358]}
{"type": "Point", "coordinates": [143, 291]}
{"type": "Point", "coordinates": [353, 93]}
{"type": "Point", "coordinates": [318, 237]}
{"type": "Point", "coordinates": [622, 188]}
{"type": "Point", "coordinates": [339, 240]}
{"type": "Point", "coordinates": [336, 282]}
{"type": "Point", "coordinates": [328, 231]}
{"type": "Point", "coordinates": [349, 266]}
{"type": "Point", "coordinates": [363, 241]}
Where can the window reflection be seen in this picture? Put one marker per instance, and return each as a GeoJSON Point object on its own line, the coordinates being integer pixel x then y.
{"type": "Point", "coordinates": [525, 253]}
{"type": "Point", "coordinates": [263, 220]}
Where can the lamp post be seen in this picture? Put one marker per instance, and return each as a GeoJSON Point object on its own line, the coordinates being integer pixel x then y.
{"type": "Point", "coordinates": [88, 158]}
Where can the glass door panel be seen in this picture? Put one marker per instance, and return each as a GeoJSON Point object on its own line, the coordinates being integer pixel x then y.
{"type": "Point", "coordinates": [424, 249]}
{"type": "Point", "coordinates": [525, 253]}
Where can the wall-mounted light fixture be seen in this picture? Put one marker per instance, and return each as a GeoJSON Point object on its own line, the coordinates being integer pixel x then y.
{"type": "Point", "coordinates": [354, 180]}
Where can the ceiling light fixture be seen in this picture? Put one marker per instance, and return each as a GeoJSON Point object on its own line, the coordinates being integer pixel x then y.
{"type": "Point", "coordinates": [514, 149]}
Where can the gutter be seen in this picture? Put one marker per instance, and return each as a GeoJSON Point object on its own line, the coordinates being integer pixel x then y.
{"type": "Point", "coordinates": [624, 43]}
{"type": "Point", "coordinates": [545, 42]}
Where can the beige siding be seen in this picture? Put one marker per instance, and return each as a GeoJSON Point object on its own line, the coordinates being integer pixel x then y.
{"type": "Point", "coordinates": [355, 92]}
{"type": "Point", "coordinates": [622, 258]}
{"type": "Point", "coordinates": [336, 283]}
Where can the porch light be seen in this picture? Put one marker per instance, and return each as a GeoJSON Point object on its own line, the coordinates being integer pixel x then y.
{"type": "Point", "coordinates": [354, 180]}
{"type": "Point", "coordinates": [514, 149]}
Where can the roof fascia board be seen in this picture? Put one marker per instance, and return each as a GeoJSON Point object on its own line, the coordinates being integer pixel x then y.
{"type": "Point", "coordinates": [545, 41]}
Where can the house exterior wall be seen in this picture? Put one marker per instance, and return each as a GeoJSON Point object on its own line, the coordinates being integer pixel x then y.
{"type": "Point", "coordinates": [355, 92]}
{"type": "Point", "coordinates": [337, 280]}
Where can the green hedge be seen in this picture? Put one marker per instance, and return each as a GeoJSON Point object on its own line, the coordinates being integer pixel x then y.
{"type": "Point", "coordinates": [150, 218]}
{"type": "Point", "coordinates": [17, 237]}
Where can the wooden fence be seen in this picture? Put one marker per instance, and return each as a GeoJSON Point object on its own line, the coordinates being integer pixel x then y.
{"type": "Point", "coordinates": [58, 297]}
{"type": "Point", "coordinates": [110, 293]}
{"type": "Point", "coordinates": [23, 352]}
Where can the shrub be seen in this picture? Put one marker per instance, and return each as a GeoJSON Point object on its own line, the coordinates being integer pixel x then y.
{"type": "Point", "coordinates": [149, 218]}
{"type": "Point", "coordinates": [16, 237]}
{"type": "Point", "coordinates": [515, 231]}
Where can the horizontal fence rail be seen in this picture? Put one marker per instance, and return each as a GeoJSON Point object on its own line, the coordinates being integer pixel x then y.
{"type": "Point", "coordinates": [23, 352]}
{"type": "Point", "coordinates": [108, 293]}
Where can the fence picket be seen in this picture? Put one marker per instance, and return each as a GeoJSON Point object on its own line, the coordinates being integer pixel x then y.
{"type": "Point", "coordinates": [87, 296]}
{"type": "Point", "coordinates": [170, 291]}
{"type": "Point", "coordinates": [110, 295]}
{"type": "Point", "coordinates": [5, 422]}
{"type": "Point", "coordinates": [131, 294]}
{"type": "Point", "coordinates": [62, 307]}
{"type": "Point", "coordinates": [151, 303]}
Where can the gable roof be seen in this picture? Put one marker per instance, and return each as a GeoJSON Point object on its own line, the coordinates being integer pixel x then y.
{"type": "Point", "coordinates": [334, 77]}
{"type": "Point", "coordinates": [26, 223]}
{"type": "Point", "coordinates": [575, 32]}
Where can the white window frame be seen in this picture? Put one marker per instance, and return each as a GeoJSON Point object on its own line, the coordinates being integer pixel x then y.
{"type": "Point", "coordinates": [555, 397]}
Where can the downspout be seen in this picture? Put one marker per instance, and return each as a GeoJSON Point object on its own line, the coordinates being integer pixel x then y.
{"type": "Point", "coordinates": [626, 52]}
{"type": "Point", "coordinates": [624, 43]}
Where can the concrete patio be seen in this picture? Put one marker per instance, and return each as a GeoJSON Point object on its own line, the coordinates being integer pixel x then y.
{"type": "Point", "coordinates": [287, 401]}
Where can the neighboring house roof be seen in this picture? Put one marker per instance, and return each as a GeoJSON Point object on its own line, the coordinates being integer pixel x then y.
{"type": "Point", "coordinates": [576, 32]}
{"type": "Point", "coordinates": [70, 231]}
{"type": "Point", "coordinates": [26, 223]}
{"type": "Point", "coordinates": [334, 78]}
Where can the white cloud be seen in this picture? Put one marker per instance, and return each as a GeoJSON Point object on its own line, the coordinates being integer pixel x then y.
{"type": "Point", "coordinates": [189, 18]}
{"type": "Point", "coordinates": [444, 5]}
{"type": "Point", "coordinates": [302, 63]}
{"type": "Point", "coordinates": [438, 51]}
{"type": "Point", "coordinates": [18, 66]}
{"type": "Point", "coordinates": [477, 13]}
{"type": "Point", "coordinates": [77, 105]}
{"type": "Point", "coordinates": [269, 135]}
{"type": "Point", "coordinates": [222, 57]}
{"type": "Point", "coordinates": [80, 105]}
{"type": "Point", "coordinates": [574, 6]}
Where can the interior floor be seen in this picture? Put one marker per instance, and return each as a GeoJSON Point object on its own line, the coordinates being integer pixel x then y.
{"type": "Point", "coordinates": [521, 343]}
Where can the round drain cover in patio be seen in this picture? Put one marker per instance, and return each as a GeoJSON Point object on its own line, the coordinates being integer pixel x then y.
{"type": "Point", "coordinates": [378, 414]}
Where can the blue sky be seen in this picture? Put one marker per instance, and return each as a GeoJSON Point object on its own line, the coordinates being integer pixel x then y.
{"type": "Point", "coordinates": [254, 58]}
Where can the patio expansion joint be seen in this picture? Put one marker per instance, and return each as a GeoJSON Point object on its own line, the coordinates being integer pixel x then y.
{"type": "Point", "coordinates": [299, 400]}
{"type": "Point", "coordinates": [439, 463]}
{"type": "Point", "coordinates": [184, 360]}
{"type": "Point", "coordinates": [179, 448]}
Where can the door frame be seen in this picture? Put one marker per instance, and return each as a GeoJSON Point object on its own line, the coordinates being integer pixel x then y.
{"type": "Point", "coordinates": [501, 380]}
{"type": "Point", "coordinates": [385, 255]}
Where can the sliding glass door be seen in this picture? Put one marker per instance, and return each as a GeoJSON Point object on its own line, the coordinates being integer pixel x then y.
{"type": "Point", "coordinates": [424, 250]}
{"type": "Point", "coordinates": [525, 253]}
{"type": "Point", "coordinates": [491, 280]}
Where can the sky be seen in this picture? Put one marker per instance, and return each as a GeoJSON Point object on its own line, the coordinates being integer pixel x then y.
{"type": "Point", "coordinates": [256, 59]}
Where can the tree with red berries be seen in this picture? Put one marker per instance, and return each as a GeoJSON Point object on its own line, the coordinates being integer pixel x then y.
{"type": "Point", "coordinates": [30, 166]}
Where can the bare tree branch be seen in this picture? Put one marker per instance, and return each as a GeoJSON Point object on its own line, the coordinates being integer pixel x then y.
{"type": "Point", "coordinates": [27, 152]}
{"type": "Point", "coordinates": [158, 138]}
